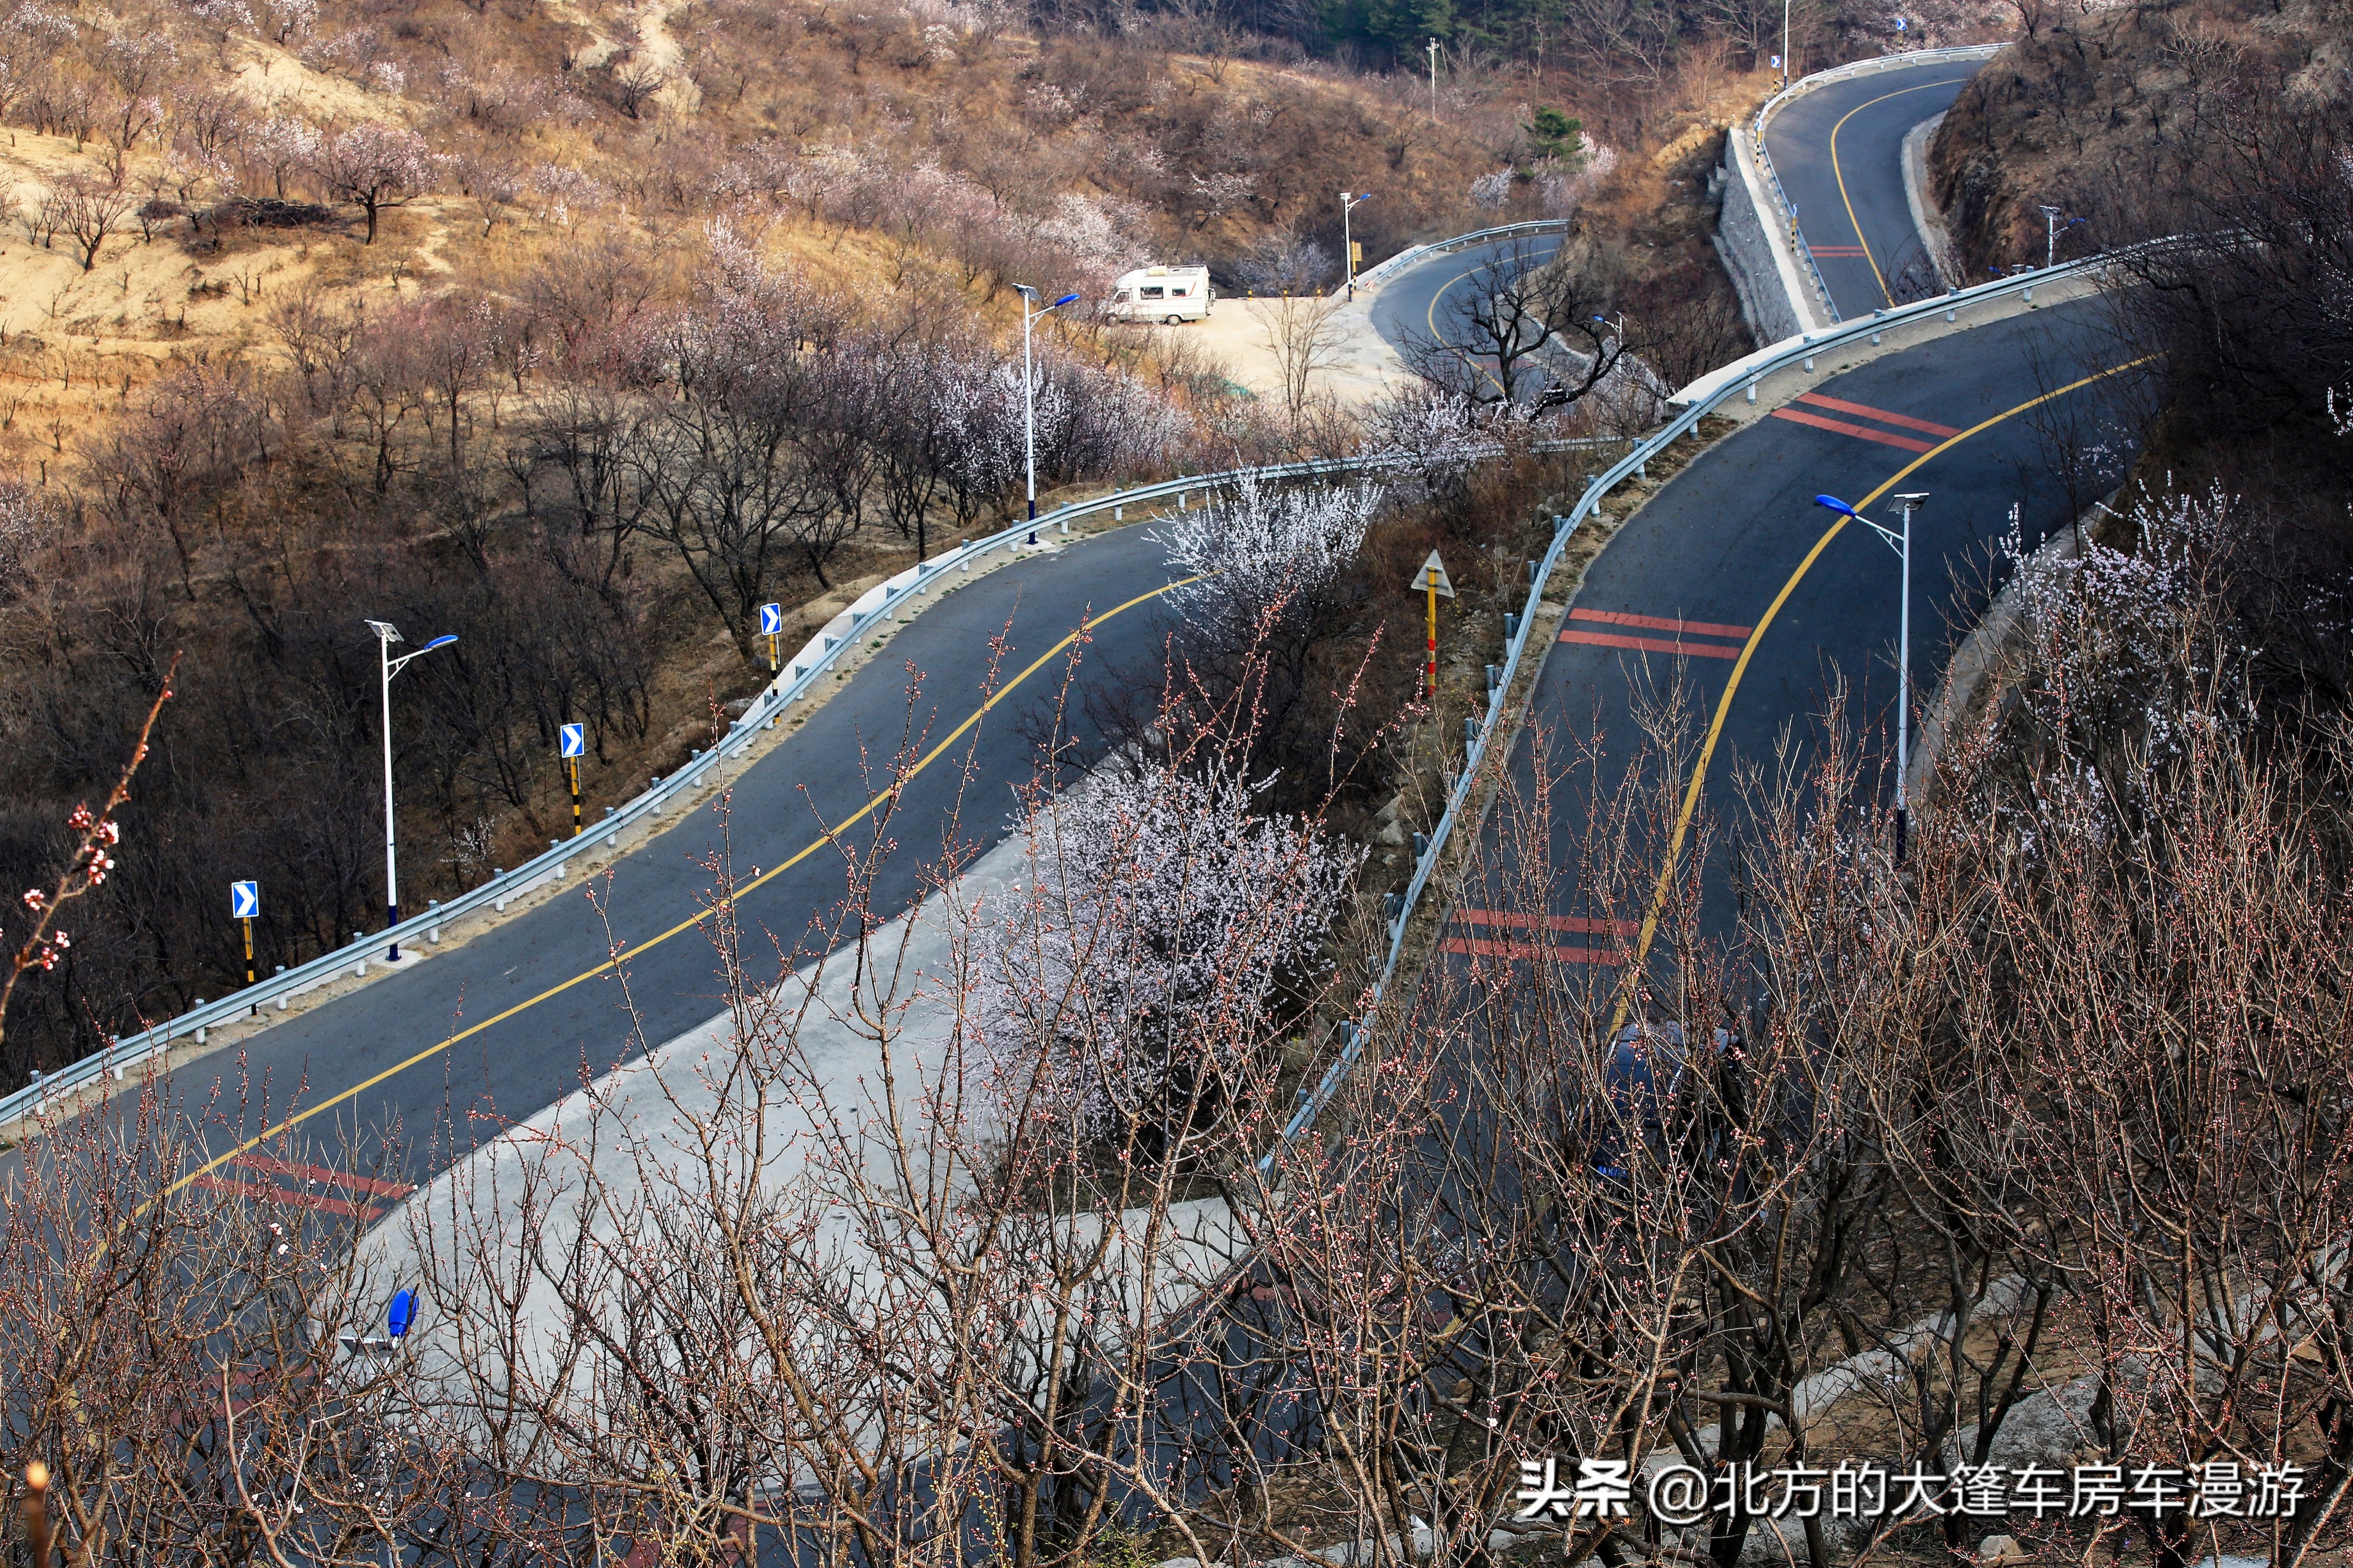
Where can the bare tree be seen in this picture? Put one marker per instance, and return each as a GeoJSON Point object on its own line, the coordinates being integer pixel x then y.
{"type": "Point", "coordinates": [635, 80]}
{"type": "Point", "coordinates": [87, 210]}
{"type": "Point", "coordinates": [1301, 331]}
{"type": "Point", "coordinates": [1530, 330]}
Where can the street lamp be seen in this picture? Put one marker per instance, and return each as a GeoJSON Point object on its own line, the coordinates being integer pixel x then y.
{"type": "Point", "coordinates": [389, 667]}
{"type": "Point", "coordinates": [1029, 390]}
{"type": "Point", "coordinates": [2052, 226]}
{"type": "Point", "coordinates": [1900, 542]}
{"type": "Point", "coordinates": [1784, 61]}
{"type": "Point", "coordinates": [1350, 201]}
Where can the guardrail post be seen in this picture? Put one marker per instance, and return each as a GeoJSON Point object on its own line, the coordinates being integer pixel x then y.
{"type": "Point", "coordinates": [433, 910]}
{"type": "Point", "coordinates": [1512, 623]}
{"type": "Point", "coordinates": [1494, 678]}
{"type": "Point", "coordinates": [1119, 514]}
{"type": "Point", "coordinates": [281, 996]}
{"type": "Point", "coordinates": [1470, 732]}
{"type": "Point", "coordinates": [201, 1028]}
{"type": "Point", "coordinates": [1420, 845]}
{"type": "Point", "coordinates": [1752, 392]}
{"type": "Point", "coordinates": [1810, 362]}
{"type": "Point", "coordinates": [2030, 293]}
{"type": "Point", "coordinates": [359, 970]}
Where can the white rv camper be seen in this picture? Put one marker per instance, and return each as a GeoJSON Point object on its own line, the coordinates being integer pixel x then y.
{"type": "Point", "coordinates": [1166, 294]}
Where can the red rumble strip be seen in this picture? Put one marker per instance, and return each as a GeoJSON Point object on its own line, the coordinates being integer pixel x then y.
{"type": "Point", "coordinates": [1902, 421]}
{"type": "Point", "coordinates": [1680, 630]}
{"type": "Point", "coordinates": [1799, 416]}
{"type": "Point", "coordinates": [322, 1174]}
{"type": "Point", "coordinates": [1865, 411]}
{"type": "Point", "coordinates": [1505, 947]}
{"type": "Point", "coordinates": [310, 1176]}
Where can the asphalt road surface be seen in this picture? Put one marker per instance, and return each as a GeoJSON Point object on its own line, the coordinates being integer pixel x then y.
{"type": "Point", "coordinates": [491, 1031]}
{"type": "Point", "coordinates": [1839, 152]}
{"type": "Point", "coordinates": [1733, 586]}
{"type": "Point", "coordinates": [506, 1024]}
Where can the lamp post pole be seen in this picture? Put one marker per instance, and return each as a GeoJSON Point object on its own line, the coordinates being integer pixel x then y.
{"type": "Point", "coordinates": [2050, 227]}
{"type": "Point", "coordinates": [1030, 392]}
{"type": "Point", "coordinates": [1433, 79]}
{"type": "Point", "coordinates": [1349, 202]}
{"type": "Point", "coordinates": [1899, 540]}
{"type": "Point", "coordinates": [1784, 42]}
{"type": "Point", "coordinates": [388, 666]}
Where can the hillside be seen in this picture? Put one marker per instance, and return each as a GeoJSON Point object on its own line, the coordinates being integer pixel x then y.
{"type": "Point", "coordinates": [2098, 111]}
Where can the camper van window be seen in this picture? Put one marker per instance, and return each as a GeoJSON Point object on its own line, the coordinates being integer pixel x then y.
{"type": "Point", "coordinates": [1154, 292]}
{"type": "Point", "coordinates": [1120, 298]}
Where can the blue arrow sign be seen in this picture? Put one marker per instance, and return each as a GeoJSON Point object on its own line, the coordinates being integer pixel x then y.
{"type": "Point", "coordinates": [403, 1313]}
{"type": "Point", "coordinates": [771, 620]}
{"type": "Point", "coordinates": [573, 739]}
{"type": "Point", "coordinates": [244, 900]}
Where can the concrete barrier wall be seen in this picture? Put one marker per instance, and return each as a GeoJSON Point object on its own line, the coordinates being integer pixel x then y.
{"type": "Point", "coordinates": [1746, 250]}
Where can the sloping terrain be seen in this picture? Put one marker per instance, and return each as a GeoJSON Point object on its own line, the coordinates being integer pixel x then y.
{"type": "Point", "coordinates": [2093, 113]}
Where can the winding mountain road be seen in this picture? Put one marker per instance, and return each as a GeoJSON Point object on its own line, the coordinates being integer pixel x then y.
{"type": "Point", "coordinates": [1839, 152]}
{"type": "Point", "coordinates": [1728, 571]}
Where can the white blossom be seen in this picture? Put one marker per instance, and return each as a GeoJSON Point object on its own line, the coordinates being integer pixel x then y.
{"type": "Point", "coordinates": [1267, 549]}
{"type": "Point", "coordinates": [1142, 948]}
{"type": "Point", "coordinates": [1488, 191]}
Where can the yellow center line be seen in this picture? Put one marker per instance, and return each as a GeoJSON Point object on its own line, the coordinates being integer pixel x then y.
{"type": "Point", "coordinates": [1748, 651]}
{"type": "Point", "coordinates": [611, 964]}
{"type": "Point", "coordinates": [1840, 175]}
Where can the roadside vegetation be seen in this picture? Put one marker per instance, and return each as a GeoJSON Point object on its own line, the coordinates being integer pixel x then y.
{"type": "Point", "coordinates": [2023, 1144]}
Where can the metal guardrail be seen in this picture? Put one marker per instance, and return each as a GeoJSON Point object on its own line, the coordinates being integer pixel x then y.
{"type": "Point", "coordinates": [1413, 253]}
{"type": "Point", "coordinates": [1703, 397]}
{"type": "Point", "coordinates": [1806, 84]}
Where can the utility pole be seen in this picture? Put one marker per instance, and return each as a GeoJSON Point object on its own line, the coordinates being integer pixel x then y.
{"type": "Point", "coordinates": [1784, 42]}
{"type": "Point", "coordinates": [1433, 79]}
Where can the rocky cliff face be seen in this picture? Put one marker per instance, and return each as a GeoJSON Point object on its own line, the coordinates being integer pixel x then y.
{"type": "Point", "coordinates": [2100, 112]}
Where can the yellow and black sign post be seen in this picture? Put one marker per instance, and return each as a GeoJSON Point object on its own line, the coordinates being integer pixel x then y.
{"type": "Point", "coordinates": [572, 739]}
{"type": "Point", "coordinates": [244, 904]}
